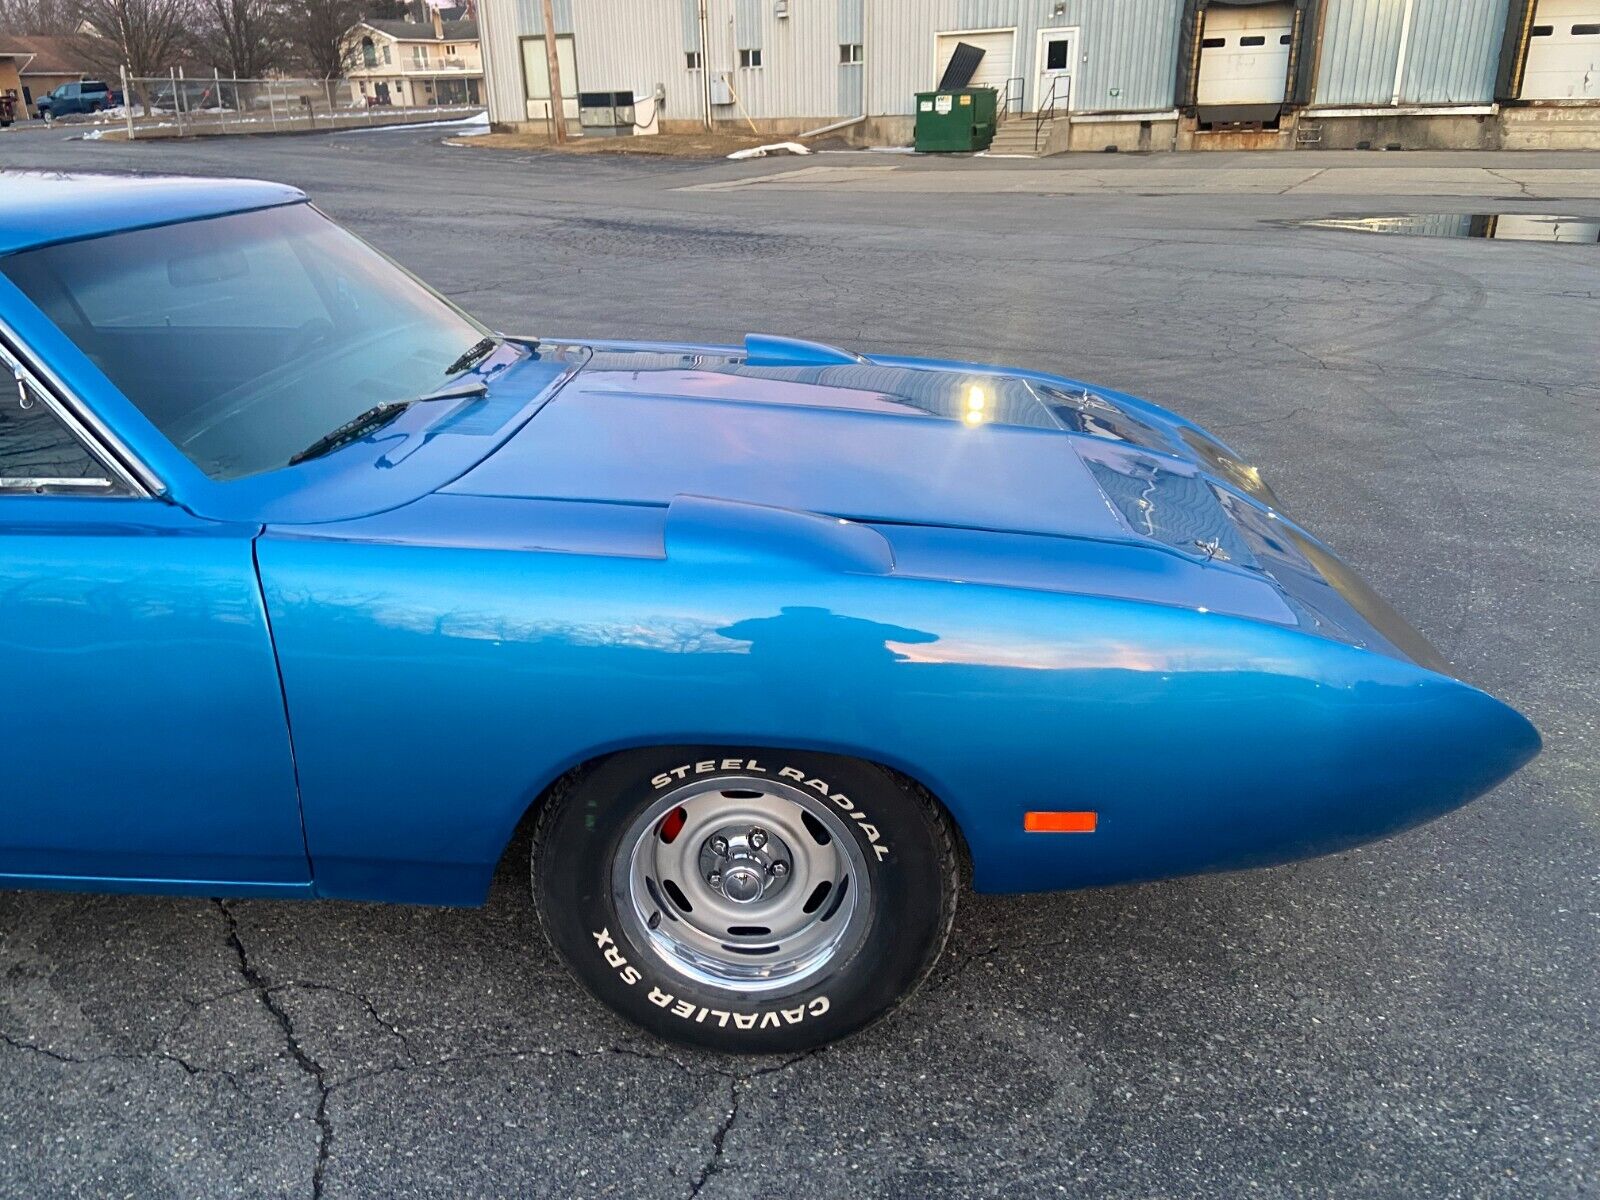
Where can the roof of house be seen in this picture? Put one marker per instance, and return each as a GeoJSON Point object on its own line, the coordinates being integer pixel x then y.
{"type": "Point", "coordinates": [46, 55]}
{"type": "Point", "coordinates": [415, 31]}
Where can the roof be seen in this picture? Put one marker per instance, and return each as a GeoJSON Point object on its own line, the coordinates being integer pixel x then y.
{"type": "Point", "coordinates": [38, 208]}
{"type": "Point", "coordinates": [416, 31]}
{"type": "Point", "coordinates": [47, 55]}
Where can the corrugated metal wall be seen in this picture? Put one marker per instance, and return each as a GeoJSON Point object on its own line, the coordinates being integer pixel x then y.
{"type": "Point", "coordinates": [640, 43]}
{"type": "Point", "coordinates": [1451, 51]}
{"type": "Point", "coordinates": [1454, 51]}
{"type": "Point", "coordinates": [503, 23]}
{"type": "Point", "coordinates": [852, 79]}
{"type": "Point", "coordinates": [1127, 48]}
{"type": "Point", "coordinates": [1127, 51]}
{"type": "Point", "coordinates": [628, 44]}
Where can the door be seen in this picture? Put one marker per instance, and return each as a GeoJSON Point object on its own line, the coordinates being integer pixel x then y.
{"type": "Point", "coordinates": [997, 65]}
{"type": "Point", "coordinates": [1058, 59]}
{"type": "Point", "coordinates": [1563, 51]}
{"type": "Point", "coordinates": [536, 77]}
{"type": "Point", "coordinates": [1244, 56]}
{"type": "Point", "coordinates": [144, 740]}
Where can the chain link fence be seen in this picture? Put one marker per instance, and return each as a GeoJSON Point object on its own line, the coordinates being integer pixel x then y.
{"type": "Point", "coordinates": [177, 106]}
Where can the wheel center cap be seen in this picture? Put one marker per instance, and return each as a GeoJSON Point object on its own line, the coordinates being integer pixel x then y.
{"type": "Point", "coordinates": [743, 883]}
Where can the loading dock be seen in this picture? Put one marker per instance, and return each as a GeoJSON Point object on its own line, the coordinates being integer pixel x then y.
{"type": "Point", "coordinates": [1563, 51]}
{"type": "Point", "coordinates": [1244, 64]}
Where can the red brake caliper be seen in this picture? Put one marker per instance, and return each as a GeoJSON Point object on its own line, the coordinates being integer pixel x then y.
{"type": "Point", "coordinates": [672, 824]}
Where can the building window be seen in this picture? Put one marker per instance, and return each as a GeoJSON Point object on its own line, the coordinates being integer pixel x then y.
{"type": "Point", "coordinates": [750, 59]}
{"type": "Point", "coordinates": [449, 49]}
{"type": "Point", "coordinates": [1585, 30]}
{"type": "Point", "coordinates": [1543, 30]}
{"type": "Point", "coordinates": [1213, 43]}
{"type": "Point", "coordinates": [1253, 41]}
{"type": "Point", "coordinates": [850, 52]}
{"type": "Point", "coordinates": [692, 59]}
{"type": "Point", "coordinates": [369, 53]}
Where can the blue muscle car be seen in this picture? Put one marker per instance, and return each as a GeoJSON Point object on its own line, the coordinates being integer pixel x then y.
{"type": "Point", "coordinates": [311, 585]}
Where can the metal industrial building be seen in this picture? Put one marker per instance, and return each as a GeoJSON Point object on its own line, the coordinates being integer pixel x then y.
{"type": "Point", "coordinates": [1077, 74]}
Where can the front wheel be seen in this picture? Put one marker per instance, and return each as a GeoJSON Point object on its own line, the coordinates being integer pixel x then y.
{"type": "Point", "coordinates": [745, 900]}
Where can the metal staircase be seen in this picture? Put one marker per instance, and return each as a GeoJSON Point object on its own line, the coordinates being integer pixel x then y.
{"type": "Point", "coordinates": [1027, 135]}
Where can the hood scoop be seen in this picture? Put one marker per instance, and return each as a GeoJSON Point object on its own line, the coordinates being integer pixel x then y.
{"type": "Point", "coordinates": [769, 350]}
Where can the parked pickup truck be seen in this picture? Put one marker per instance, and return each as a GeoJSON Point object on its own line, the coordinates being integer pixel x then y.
{"type": "Point", "coordinates": [86, 96]}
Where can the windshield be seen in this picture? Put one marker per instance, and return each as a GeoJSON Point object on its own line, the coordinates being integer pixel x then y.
{"type": "Point", "coordinates": [245, 338]}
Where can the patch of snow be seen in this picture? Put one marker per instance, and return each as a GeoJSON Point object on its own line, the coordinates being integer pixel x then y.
{"type": "Point", "coordinates": [471, 126]}
{"type": "Point", "coordinates": [774, 148]}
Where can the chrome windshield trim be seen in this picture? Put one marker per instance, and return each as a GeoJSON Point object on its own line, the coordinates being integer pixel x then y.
{"type": "Point", "coordinates": [109, 449]}
{"type": "Point", "coordinates": [30, 483]}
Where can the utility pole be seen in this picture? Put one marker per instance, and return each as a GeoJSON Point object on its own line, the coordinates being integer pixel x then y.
{"type": "Point", "coordinates": [705, 64]}
{"type": "Point", "coordinates": [558, 124]}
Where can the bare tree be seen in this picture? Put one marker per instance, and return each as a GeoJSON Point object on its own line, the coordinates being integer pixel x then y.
{"type": "Point", "coordinates": [30, 17]}
{"type": "Point", "coordinates": [317, 29]}
{"type": "Point", "coordinates": [244, 37]}
{"type": "Point", "coordinates": [148, 36]}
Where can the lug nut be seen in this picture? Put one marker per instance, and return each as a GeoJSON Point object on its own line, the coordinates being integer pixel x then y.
{"type": "Point", "coordinates": [758, 838]}
{"type": "Point", "coordinates": [778, 870]}
{"type": "Point", "coordinates": [715, 879]}
{"type": "Point", "coordinates": [719, 845]}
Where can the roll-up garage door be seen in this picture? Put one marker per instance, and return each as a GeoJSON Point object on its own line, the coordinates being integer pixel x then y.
{"type": "Point", "coordinates": [1563, 51]}
{"type": "Point", "coordinates": [1244, 62]}
{"type": "Point", "coordinates": [999, 55]}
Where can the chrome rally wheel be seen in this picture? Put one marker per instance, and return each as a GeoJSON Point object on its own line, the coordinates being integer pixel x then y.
{"type": "Point", "coordinates": [743, 883]}
{"type": "Point", "coordinates": [746, 900]}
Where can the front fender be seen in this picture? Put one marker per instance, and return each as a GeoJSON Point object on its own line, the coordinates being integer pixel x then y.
{"type": "Point", "coordinates": [434, 691]}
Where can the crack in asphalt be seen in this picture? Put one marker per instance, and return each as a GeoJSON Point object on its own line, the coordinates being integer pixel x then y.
{"type": "Point", "coordinates": [948, 977]}
{"type": "Point", "coordinates": [719, 1135]}
{"type": "Point", "coordinates": [191, 1069]}
{"type": "Point", "coordinates": [307, 1064]}
{"type": "Point", "coordinates": [737, 1080]}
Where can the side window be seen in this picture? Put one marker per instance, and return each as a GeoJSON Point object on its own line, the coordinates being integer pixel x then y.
{"type": "Point", "coordinates": [40, 454]}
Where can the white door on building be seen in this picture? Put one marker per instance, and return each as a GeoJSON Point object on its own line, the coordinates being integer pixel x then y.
{"type": "Point", "coordinates": [1058, 63]}
{"type": "Point", "coordinates": [1563, 51]}
{"type": "Point", "coordinates": [996, 67]}
{"type": "Point", "coordinates": [536, 77]}
{"type": "Point", "coordinates": [1244, 55]}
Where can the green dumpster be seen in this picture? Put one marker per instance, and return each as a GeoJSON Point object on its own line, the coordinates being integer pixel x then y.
{"type": "Point", "coordinates": [955, 120]}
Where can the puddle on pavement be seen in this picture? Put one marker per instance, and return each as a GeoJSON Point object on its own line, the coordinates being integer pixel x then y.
{"type": "Point", "coordinates": [1515, 227]}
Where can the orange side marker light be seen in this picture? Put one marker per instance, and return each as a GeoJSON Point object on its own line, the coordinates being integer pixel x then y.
{"type": "Point", "coordinates": [1059, 822]}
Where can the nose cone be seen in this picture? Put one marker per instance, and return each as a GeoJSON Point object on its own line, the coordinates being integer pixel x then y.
{"type": "Point", "coordinates": [1458, 744]}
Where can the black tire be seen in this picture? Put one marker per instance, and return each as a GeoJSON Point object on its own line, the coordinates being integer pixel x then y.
{"type": "Point", "coordinates": [911, 869]}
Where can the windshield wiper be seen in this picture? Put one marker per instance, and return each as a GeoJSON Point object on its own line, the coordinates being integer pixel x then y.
{"type": "Point", "coordinates": [380, 415]}
{"type": "Point", "coordinates": [472, 354]}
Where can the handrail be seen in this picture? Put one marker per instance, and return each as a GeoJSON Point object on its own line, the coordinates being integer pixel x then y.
{"type": "Point", "coordinates": [1047, 106]}
{"type": "Point", "coordinates": [1010, 94]}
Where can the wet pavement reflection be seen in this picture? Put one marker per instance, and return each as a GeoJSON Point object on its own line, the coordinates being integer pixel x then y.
{"type": "Point", "coordinates": [1516, 227]}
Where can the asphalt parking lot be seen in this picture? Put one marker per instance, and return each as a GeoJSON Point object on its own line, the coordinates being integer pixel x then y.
{"type": "Point", "coordinates": [1417, 1017]}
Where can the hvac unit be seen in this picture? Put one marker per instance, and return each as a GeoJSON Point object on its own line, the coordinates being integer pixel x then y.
{"type": "Point", "coordinates": [606, 114]}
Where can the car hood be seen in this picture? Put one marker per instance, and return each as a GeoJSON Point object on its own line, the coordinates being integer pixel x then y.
{"type": "Point", "coordinates": [867, 440]}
